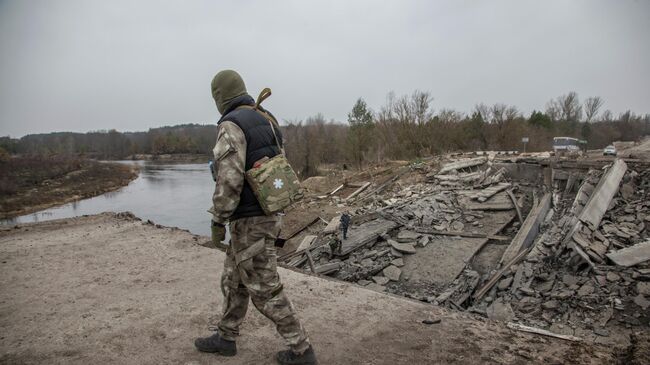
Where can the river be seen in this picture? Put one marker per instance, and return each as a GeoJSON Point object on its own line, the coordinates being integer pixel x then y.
{"type": "Point", "coordinates": [176, 195]}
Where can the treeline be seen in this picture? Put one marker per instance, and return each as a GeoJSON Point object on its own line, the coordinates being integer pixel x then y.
{"type": "Point", "coordinates": [405, 127]}
{"type": "Point", "coordinates": [185, 138]}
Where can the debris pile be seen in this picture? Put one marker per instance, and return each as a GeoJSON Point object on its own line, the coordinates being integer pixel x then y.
{"type": "Point", "coordinates": [591, 265]}
{"type": "Point", "coordinates": [558, 245]}
{"type": "Point", "coordinates": [404, 219]}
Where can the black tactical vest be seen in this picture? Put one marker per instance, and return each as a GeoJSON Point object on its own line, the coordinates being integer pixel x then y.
{"type": "Point", "coordinates": [259, 143]}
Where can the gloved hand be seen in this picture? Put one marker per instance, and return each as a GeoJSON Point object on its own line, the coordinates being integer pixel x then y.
{"type": "Point", "coordinates": [218, 233]}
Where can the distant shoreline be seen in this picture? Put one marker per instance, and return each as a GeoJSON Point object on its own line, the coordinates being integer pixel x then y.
{"type": "Point", "coordinates": [168, 157]}
{"type": "Point", "coordinates": [87, 179]}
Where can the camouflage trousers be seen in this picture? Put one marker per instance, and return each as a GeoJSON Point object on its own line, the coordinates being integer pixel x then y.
{"type": "Point", "coordinates": [250, 271]}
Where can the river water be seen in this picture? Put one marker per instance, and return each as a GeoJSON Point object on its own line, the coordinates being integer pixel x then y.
{"type": "Point", "coordinates": [176, 195]}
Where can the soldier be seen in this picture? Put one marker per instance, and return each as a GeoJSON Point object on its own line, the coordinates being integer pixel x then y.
{"type": "Point", "coordinates": [244, 137]}
{"type": "Point", "coordinates": [345, 224]}
{"type": "Point", "coordinates": [335, 247]}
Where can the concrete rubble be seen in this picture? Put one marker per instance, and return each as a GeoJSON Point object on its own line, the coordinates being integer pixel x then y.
{"type": "Point", "coordinates": [557, 245]}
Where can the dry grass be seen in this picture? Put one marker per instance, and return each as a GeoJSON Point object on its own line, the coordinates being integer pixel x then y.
{"type": "Point", "coordinates": [29, 183]}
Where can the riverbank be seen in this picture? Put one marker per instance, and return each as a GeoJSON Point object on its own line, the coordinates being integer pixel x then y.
{"type": "Point", "coordinates": [118, 290]}
{"type": "Point", "coordinates": [30, 184]}
{"type": "Point", "coordinates": [171, 158]}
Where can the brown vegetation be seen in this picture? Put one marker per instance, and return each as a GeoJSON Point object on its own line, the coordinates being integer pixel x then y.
{"type": "Point", "coordinates": [405, 128]}
{"type": "Point", "coordinates": [32, 183]}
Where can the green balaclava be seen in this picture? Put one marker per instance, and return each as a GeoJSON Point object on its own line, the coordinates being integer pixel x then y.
{"type": "Point", "coordinates": [227, 85]}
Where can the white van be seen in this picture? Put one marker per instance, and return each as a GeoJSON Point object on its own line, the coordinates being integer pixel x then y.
{"type": "Point", "coordinates": [566, 144]}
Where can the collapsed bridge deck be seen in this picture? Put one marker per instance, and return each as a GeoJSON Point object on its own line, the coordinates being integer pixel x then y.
{"type": "Point", "coordinates": [536, 240]}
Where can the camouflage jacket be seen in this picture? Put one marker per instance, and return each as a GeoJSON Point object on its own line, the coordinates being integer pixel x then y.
{"type": "Point", "coordinates": [229, 164]}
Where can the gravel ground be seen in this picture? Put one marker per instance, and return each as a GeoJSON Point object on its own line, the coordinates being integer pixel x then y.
{"type": "Point", "coordinates": [111, 289]}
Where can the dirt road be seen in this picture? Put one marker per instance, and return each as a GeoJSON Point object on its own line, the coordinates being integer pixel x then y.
{"type": "Point", "coordinates": [112, 289]}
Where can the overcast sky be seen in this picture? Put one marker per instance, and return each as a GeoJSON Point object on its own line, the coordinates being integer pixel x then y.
{"type": "Point", "coordinates": [68, 65]}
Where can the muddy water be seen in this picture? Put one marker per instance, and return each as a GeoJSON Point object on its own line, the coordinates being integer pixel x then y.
{"type": "Point", "coordinates": [169, 194]}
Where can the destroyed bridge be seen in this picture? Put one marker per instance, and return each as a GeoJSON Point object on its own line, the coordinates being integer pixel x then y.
{"type": "Point", "coordinates": [552, 245]}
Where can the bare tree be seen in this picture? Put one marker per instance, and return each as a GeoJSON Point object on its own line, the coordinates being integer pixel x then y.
{"type": "Point", "coordinates": [483, 111]}
{"type": "Point", "coordinates": [512, 113]}
{"type": "Point", "coordinates": [607, 116]}
{"type": "Point", "coordinates": [553, 110]}
{"type": "Point", "coordinates": [501, 119]}
{"type": "Point", "coordinates": [403, 110]}
{"type": "Point", "coordinates": [420, 106]}
{"type": "Point", "coordinates": [385, 115]}
{"type": "Point", "coordinates": [591, 107]}
{"type": "Point", "coordinates": [450, 116]}
{"type": "Point", "coordinates": [498, 113]}
{"type": "Point", "coordinates": [570, 107]}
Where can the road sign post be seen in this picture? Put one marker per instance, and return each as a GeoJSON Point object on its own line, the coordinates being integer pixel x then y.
{"type": "Point", "coordinates": [524, 140]}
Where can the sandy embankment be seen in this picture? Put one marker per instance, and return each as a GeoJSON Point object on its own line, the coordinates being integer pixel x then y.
{"type": "Point", "coordinates": [34, 193]}
{"type": "Point", "coordinates": [112, 289]}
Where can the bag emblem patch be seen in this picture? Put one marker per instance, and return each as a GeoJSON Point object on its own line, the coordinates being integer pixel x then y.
{"type": "Point", "coordinates": [278, 183]}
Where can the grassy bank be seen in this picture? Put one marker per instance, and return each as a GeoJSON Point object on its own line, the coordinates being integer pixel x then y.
{"type": "Point", "coordinates": [32, 183]}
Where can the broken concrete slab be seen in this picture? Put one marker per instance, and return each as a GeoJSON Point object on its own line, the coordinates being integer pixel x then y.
{"type": "Point", "coordinates": [551, 304]}
{"type": "Point", "coordinates": [643, 288]}
{"type": "Point", "coordinates": [457, 226]}
{"type": "Point", "coordinates": [299, 224]}
{"type": "Point", "coordinates": [499, 310]}
{"type": "Point", "coordinates": [632, 255]}
{"type": "Point", "coordinates": [493, 280]}
{"type": "Point", "coordinates": [592, 213]}
{"type": "Point", "coordinates": [586, 289]}
{"type": "Point", "coordinates": [399, 262]}
{"type": "Point", "coordinates": [599, 201]}
{"type": "Point", "coordinates": [601, 332]}
{"type": "Point", "coordinates": [545, 286]}
{"type": "Point", "coordinates": [462, 234]}
{"type": "Point", "coordinates": [370, 254]}
{"type": "Point", "coordinates": [407, 236]}
{"type": "Point", "coordinates": [306, 242]}
{"type": "Point", "coordinates": [365, 233]}
{"type": "Point", "coordinates": [516, 205]}
{"type": "Point", "coordinates": [376, 287]}
{"type": "Point", "coordinates": [424, 241]}
{"type": "Point", "coordinates": [561, 329]}
{"type": "Point", "coordinates": [505, 283]}
{"type": "Point", "coordinates": [463, 177]}
{"type": "Point", "coordinates": [332, 226]}
{"type": "Point", "coordinates": [462, 164]}
{"type": "Point", "coordinates": [402, 247]}
{"type": "Point", "coordinates": [570, 280]}
{"type": "Point", "coordinates": [612, 276]}
{"type": "Point", "coordinates": [490, 206]}
{"type": "Point", "coordinates": [328, 268]}
{"type": "Point", "coordinates": [393, 273]}
{"type": "Point", "coordinates": [641, 301]}
{"type": "Point", "coordinates": [490, 191]}
{"type": "Point", "coordinates": [529, 230]}
{"type": "Point", "coordinates": [395, 253]}
{"type": "Point", "coordinates": [380, 280]}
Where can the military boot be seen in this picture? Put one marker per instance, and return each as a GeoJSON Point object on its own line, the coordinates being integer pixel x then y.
{"type": "Point", "coordinates": [289, 357]}
{"type": "Point", "coordinates": [216, 343]}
